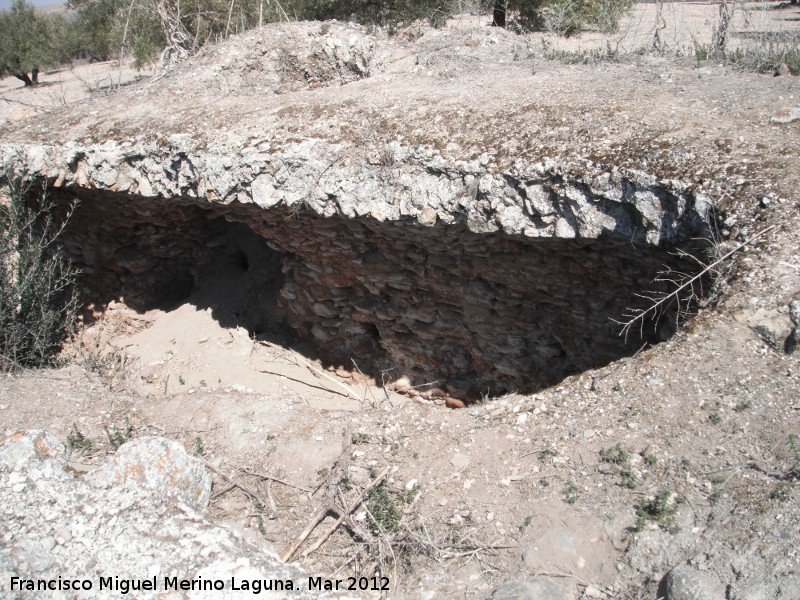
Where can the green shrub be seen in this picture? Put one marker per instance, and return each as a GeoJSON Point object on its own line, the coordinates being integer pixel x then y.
{"type": "Point", "coordinates": [384, 511]}
{"type": "Point", "coordinates": [661, 510]}
{"type": "Point", "coordinates": [568, 17]}
{"type": "Point", "coordinates": [38, 295]}
{"type": "Point", "coordinates": [369, 12]}
{"type": "Point", "coordinates": [763, 58]}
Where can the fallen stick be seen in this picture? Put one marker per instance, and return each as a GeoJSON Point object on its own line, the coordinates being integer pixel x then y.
{"type": "Point", "coordinates": [273, 508]}
{"type": "Point", "coordinates": [223, 491]}
{"type": "Point", "coordinates": [344, 386]}
{"type": "Point", "coordinates": [235, 483]}
{"type": "Point", "coordinates": [367, 388]}
{"type": "Point", "coordinates": [348, 390]}
{"type": "Point", "coordinates": [348, 511]}
{"type": "Point", "coordinates": [315, 520]}
{"type": "Point", "coordinates": [339, 466]}
{"type": "Point", "coordinates": [297, 380]}
{"type": "Point", "coordinates": [276, 480]}
{"type": "Point", "coordinates": [330, 507]}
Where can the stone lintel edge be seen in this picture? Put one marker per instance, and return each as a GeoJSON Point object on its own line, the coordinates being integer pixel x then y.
{"type": "Point", "coordinates": [572, 198]}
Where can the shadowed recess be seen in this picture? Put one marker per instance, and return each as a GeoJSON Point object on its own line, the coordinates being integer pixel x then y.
{"type": "Point", "coordinates": [469, 313]}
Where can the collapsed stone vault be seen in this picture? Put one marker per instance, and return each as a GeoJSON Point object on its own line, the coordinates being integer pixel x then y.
{"type": "Point", "coordinates": [462, 279]}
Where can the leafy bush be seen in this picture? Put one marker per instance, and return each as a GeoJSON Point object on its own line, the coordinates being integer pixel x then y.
{"type": "Point", "coordinates": [38, 295]}
{"type": "Point", "coordinates": [660, 510]}
{"type": "Point", "coordinates": [384, 511]}
{"type": "Point", "coordinates": [764, 58]}
{"type": "Point", "coordinates": [568, 17]}
{"type": "Point", "coordinates": [385, 14]}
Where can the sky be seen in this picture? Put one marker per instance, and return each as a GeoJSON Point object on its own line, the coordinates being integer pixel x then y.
{"type": "Point", "coordinates": [6, 4]}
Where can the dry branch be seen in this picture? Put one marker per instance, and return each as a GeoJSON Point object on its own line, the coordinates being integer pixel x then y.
{"type": "Point", "coordinates": [366, 386]}
{"type": "Point", "coordinates": [276, 480]}
{"type": "Point", "coordinates": [300, 361]}
{"type": "Point", "coordinates": [311, 385]}
{"type": "Point", "coordinates": [354, 505]}
{"type": "Point", "coordinates": [316, 519]}
{"type": "Point", "coordinates": [339, 465]}
{"type": "Point", "coordinates": [255, 496]}
{"type": "Point", "coordinates": [223, 491]}
{"type": "Point", "coordinates": [658, 302]}
{"type": "Point", "coordinates": [273, 508]}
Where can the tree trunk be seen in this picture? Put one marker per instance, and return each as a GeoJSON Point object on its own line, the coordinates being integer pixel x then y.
{"type": "Point", "coordinates": [35, 75]}
{"type": "Point", "coordinates": [499, 14]}
{"type": "Point", "coordinates": [24, 78]}
{"type": "Point", "coordinates": [719, 40]}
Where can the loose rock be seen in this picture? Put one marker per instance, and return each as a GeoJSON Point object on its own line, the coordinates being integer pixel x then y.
{"type": "Point", "coordinates": [538, 588]}
{"type": "Point", "coordinates": [686, 583]}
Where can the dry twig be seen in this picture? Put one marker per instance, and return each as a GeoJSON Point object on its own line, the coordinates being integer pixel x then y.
{"type": "Point", "coordinates": [300, 361]}
{"type": "Point", "coordinates": [318, 517]}
{"type": "Point", "coordinates": [349, 510]}
{"type": "Point", "coordinates": [339, 466]}
{"type": "Point", "coordinates": [686, 283]}
{"type": "Point", "coordinates": [255, 496]}
{"type": "Point", "coordinates": [276, 480]}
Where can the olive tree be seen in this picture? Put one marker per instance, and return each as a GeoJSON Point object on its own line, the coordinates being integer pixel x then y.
{"type": "Point", "coordinates": [28, 42]}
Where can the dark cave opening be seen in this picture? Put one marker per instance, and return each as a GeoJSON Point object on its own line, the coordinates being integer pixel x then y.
{"type": "Point", "coordinates": [473, 314]}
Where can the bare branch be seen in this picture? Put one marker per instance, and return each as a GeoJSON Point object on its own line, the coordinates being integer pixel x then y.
{"type": "Point", "coordinates": [276, 480]}
{"type": "Point", "coordinates": [659, 303]}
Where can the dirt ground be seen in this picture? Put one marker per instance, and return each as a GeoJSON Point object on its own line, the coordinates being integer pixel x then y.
{"type": "Point", "coordinates": [61, 88]}
{"type": "Point", "coordinates": [686, 452]}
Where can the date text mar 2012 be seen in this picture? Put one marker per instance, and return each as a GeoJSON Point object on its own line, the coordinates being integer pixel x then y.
{"type": "Point", "coordinates": [376, 584]}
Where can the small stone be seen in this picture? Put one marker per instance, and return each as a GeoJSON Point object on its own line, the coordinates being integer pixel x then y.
{"type": "Point", "coordinates": [685, 583]}
{"type": "Point", "coordinates": [781, 70]}
{"type": "Point", "coordinates": [593, 592]}
{"type": "Point", "coordinates": [402, 385]}
{"type": "Point", "coordinates": [399, 55]}
{"type": "Point", "coordinates": [453, 403]}
{"type": "Point", "coordinates": [158, 467]}
{"type": "Point", "coordinates": [794, 312]}
{"type": "Point", "coordinates": [787, 114]}
{"type": "Point", "coordinates": [427, 216]}
{"type": "Point", "coordinates": [538, 588]}
{"type": "Point", "coordinates": [459, 461]}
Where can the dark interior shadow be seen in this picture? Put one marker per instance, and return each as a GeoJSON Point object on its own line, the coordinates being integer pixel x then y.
{"type": "Point", "coordinates": [474, 313]}
{"type": "Point", "coordinates": [162, 258]}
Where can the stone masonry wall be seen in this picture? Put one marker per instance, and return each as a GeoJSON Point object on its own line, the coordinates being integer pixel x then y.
{"type": "Point", "coordinates": [469, 280]}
